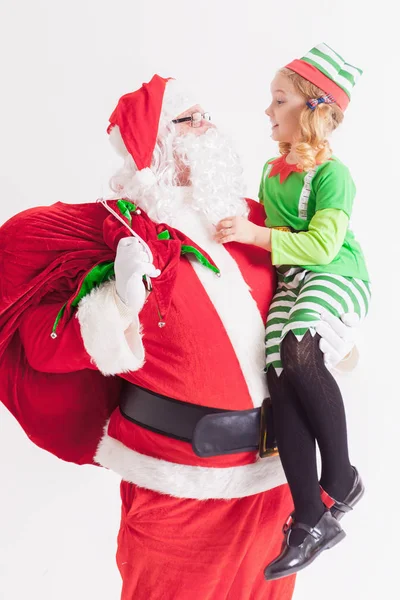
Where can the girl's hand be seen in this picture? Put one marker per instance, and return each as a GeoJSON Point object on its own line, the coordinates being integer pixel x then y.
{"type": "Point", "coordinates": [236, 229]}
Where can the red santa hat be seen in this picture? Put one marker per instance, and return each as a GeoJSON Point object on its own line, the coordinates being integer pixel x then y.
{"type": "Point", "coordinates": [135, 121]}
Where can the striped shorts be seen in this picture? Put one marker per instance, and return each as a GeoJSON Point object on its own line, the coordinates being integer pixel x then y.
{"type": "Point", "coordinates": [301, 297]}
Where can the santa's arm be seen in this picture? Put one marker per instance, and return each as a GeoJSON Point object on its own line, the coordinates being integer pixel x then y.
{"type": "Point", "coordinates": [102, 334]}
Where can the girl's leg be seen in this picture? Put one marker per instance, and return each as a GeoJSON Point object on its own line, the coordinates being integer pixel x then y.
{"type": "Point", "coordinates": [320, 398]}
{"type": "Point", "coordinates": [296, 444]}
{"type": "Point", "coordinates": [316, 388]}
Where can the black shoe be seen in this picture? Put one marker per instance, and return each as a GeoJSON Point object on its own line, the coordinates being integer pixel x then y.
{"type": "Point", "coordinates": [339, 509]}
{"type": "Point", "coordinates": [326, 534]}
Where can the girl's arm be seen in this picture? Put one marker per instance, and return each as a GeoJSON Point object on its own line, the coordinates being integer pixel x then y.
{"type": "Point", "coordinates": [319, 245]}
{"type": "Point", "coordinates": [335, 191]}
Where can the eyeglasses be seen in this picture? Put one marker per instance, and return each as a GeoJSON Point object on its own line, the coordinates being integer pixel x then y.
{"type": "Point", "coordinates": [195, 119]}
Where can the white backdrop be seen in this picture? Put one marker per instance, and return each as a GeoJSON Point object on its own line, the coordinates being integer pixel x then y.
{"type": "Point", "coordinates": [64, 66]}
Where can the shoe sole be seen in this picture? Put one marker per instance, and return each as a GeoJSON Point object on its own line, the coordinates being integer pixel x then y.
{"type": "Point", "coordinates": [338, 538]}
{"type": "Point", "coordinates": [338, 514]}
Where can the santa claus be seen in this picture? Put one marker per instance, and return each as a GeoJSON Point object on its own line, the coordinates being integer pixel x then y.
{"type": "Point", "coordinates": [131, 339]}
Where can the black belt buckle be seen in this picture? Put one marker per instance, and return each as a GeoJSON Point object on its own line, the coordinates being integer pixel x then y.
{"type": "Point", "coordinates": [268, 445]}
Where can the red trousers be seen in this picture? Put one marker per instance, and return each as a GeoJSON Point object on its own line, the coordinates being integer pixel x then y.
{"type": "Point", "coordinates": [179, 549]}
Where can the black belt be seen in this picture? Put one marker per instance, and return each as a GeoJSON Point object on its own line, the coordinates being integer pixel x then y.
{"type": "Point", "coordinates": [211, 431]}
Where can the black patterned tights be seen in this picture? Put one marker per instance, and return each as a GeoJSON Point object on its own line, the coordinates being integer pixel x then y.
{"type": "Point", "coordinates": [308, 407]}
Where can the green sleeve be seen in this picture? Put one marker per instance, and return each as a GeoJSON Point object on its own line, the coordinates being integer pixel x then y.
{"type": "Point", "coordinates": [334, 187]}
{"type": "Point", "coordinates": [317, 246]}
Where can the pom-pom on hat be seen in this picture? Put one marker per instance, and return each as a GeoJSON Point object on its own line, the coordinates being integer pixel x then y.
{"type": "Point", "coordinates": [326, 69]}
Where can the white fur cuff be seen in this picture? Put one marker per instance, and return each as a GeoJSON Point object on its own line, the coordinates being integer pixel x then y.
{"type": "Point", "coordinates": [106, 331]}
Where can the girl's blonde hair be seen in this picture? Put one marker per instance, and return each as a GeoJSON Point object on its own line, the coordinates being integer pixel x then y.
{"type": "Point", "coordinates": [315, 125]}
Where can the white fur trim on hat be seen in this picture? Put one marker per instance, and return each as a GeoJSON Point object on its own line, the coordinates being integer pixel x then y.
{"type": "Point", "coordinates": [177, 98]}
{"type": "Point", "coordinates": [117, 142]}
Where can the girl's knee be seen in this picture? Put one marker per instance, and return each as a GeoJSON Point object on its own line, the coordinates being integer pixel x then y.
{"type": "Point", "coordinates": [296, 355]}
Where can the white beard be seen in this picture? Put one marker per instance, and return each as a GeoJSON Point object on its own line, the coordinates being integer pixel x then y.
{"type": "Point", "coordinates": [217, 188]}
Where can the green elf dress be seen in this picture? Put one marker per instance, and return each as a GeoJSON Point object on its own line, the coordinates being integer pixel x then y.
{"type": "Point", "coordinates": [320, 265]}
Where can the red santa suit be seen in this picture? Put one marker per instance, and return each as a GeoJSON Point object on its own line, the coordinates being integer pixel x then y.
{"type": "Point", "coordinates": [191, 527]}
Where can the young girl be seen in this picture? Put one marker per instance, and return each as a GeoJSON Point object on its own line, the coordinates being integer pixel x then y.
{"type": "Point", "coordinates": [308, 195]}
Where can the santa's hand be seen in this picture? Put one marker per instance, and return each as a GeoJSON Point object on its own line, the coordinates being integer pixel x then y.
{"type": "Point", "coordinates": [337, 336]}
{"type": "Point", "coordinates": [131, 264]}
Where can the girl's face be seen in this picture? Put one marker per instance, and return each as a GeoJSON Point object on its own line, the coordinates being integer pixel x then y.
{"type": "Point", "coordinates": [285, 109]}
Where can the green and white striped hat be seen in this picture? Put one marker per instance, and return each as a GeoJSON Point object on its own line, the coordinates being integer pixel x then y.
{"type": "Point", "coordinates": [326, 69]}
